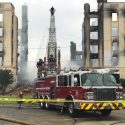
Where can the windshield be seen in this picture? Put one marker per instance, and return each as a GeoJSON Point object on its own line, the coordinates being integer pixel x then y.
{"type": "Point", "coordinates": [95, 79]}
{"type": "Point", "coordinates": [109, 80]}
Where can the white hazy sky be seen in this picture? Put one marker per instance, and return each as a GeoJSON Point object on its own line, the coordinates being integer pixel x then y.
{"type": "Point", "coordinates": [69, 18]}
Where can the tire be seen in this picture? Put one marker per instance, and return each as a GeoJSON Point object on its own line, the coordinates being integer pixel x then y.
{"type": "Point", "coordinates": [46, 104]}
{"type": "Point", "coordinates": [72, 112]}
{"type": "Point", "coordinates": [42, 104]}
{"type": "Point", "coordinates": [105, 112]}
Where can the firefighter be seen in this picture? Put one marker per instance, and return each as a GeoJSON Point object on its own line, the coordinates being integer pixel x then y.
{"type": "Point", "coordinates": [50, 60]}
{"type": "Point", "coordinates": [40, 66]}
{"type": "Point", "coordinates": [52, 63]}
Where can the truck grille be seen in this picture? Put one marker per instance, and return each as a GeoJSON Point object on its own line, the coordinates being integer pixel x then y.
{"type": "Point", "coordinates": [105, 94]}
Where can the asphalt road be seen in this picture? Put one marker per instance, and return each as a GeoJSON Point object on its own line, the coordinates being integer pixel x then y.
{"type": "Point", "coordinates": [36, 116]}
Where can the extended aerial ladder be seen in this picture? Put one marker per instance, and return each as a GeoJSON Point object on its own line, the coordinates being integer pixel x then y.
{"type": "Point", "coordinates": [51, 64]}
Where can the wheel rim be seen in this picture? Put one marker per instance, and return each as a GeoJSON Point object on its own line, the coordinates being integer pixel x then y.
{"type": "Point", "coordinates": [41, 104]}
{"type": "Point", "coordinates": [71, 108]}
{"type": "Point", "coordinates": [46, 105]}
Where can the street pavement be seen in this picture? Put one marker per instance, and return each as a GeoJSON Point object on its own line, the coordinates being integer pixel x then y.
{"type": "Point", "coordinates": [35, 116]}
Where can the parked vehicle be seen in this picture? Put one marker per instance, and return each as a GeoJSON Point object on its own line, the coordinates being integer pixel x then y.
{"type": "Point", "coordinates": [81, 90]}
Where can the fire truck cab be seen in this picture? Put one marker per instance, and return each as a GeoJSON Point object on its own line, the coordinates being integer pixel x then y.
{"type": "Point", "coordinates": [81, 90]}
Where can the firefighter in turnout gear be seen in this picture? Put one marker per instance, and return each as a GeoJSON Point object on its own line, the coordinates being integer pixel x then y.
{"type": "Point", "coordinates": [52, 63]}
{"type": "Point", "coordinates": [40, 67]}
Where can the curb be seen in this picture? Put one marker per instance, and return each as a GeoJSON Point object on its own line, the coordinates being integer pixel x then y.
{"type": "Point", "coordinates": [15, 121]}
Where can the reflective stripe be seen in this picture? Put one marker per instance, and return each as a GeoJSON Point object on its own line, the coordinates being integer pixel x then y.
{"type": "Point", "coordinates": [89, 106]}
{"type": "Point", "coordinates": [112, 106]}
{"type": "Point", "coordinates": [82, 106]}
{"type": "Point", "coordinates": [102, 106]}
{"type": "Point", "coordinates": [123, 104]}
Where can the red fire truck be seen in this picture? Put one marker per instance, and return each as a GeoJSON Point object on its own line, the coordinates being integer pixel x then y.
{"type": "Point", "coordinates": [81, 90]}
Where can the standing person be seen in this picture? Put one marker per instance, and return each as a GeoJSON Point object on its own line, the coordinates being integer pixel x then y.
{"type": "Point", "coordinates": [21, 97]}
{"type": "Point", "coordinates": [40, 66]}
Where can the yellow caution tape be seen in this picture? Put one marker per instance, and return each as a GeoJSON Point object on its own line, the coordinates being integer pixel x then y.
{"type": "Point", "coordinates": [84, 104]}
{"type": "Point", "coordinates": [59, 100]}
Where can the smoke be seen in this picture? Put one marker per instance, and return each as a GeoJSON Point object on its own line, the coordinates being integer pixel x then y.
{"type": "Point", "coordinates": [22, 75]}
{"type": "Point", "coordinates": [31, 72]}
{"type": "Point", "coordinates": [71, 65]}
{"type": "Point", "coordinates": [28, 74]}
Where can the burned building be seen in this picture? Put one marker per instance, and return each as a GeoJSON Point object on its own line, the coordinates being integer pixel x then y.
{"type": "Point", "coordinates": [104, 40]}
{"type": "Point", "coordinates": [76, 56]}
{"type": "Point", "coordinates": [72, 51]}
{"type": "Point", "coordinates": [9, 39]}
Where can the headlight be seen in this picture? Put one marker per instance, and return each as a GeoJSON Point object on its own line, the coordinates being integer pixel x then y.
{"type": "Point", "coordinates": [119, 95]}
{"type": "Point", "coordinates": [89, 95]}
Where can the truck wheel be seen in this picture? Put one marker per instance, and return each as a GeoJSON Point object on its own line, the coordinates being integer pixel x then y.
{"type": "Point", "coordinates": [42, 104]}
{"type": "Point", "coordinates": [71, 110]}
{"type": "Point", "coordinates": [47, 106]}
{"type": "Point", "coordinates": [106, 112]}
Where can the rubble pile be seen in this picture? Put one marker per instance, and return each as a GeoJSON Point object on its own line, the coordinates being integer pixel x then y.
{"type": "Point", "coordinates": [26, 89]}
